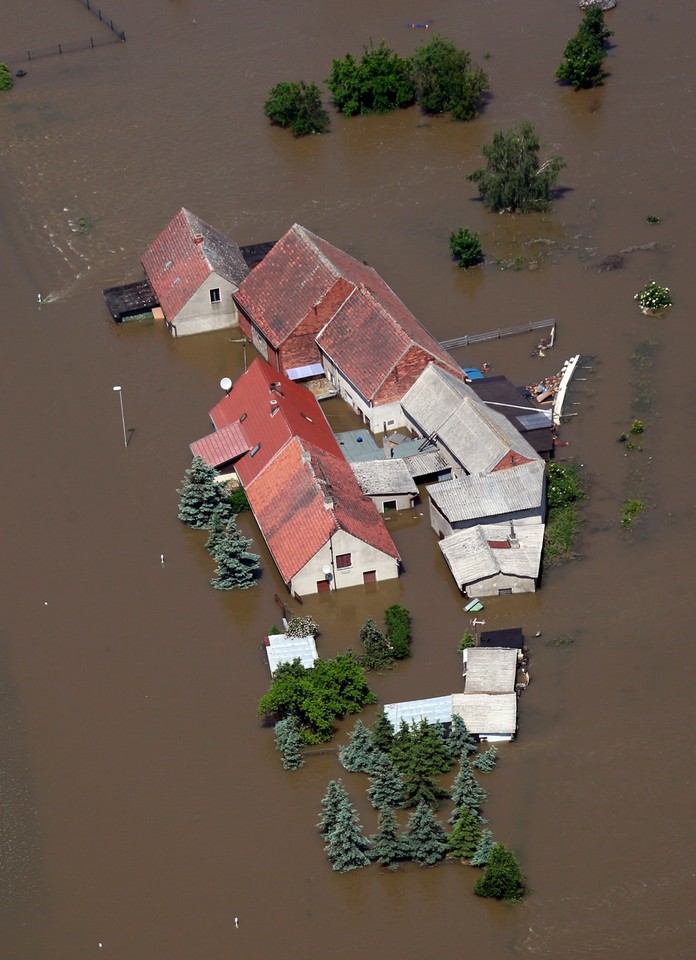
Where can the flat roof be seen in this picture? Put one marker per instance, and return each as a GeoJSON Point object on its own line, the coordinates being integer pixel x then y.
{"type": "Point", "coordinates": [283, 649]}
{"type": "Point", "coordinates": [359, 446]}
{"type": "Point", "coordinates": [512, 638]}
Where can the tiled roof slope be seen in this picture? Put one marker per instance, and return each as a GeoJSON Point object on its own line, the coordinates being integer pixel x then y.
{"type": "Point", "coordinates": [176, 265]}
{"type": "Point", "coordinates": [222, 446]}
{"type": "Point", "coordinates": [289, 500]}
{"type": "Point", "coordinates": [271, 417]}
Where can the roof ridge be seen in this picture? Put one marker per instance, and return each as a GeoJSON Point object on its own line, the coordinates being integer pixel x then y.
{"type": "Point", "coordinates": [305, 235]}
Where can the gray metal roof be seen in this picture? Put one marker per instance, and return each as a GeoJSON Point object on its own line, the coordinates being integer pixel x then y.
{"type": "Point", "coordinates": [283, 649]}
{"type": "Point", "coordinates": [425, 464]}
{"type": "Point", "coordinates": [490, 670]}
{"type": "Point", "coordinates": [434, 710]}
{"type": "Point", "coordinates": [384, 477]}
{"type": "Point", "coordinates": [359, 445]}
{"type": "Point", "coordinates": [491, 495]}
{"type": "Point", "coordinates": [487, 714]}
{"type": "Point", "coordinates": [477, 436]}
{"type": "Point", "coordinates": [471, 558]}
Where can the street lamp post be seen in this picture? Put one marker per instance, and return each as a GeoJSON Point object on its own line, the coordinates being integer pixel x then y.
{"type": "Point", "coordinates": [123, 416]}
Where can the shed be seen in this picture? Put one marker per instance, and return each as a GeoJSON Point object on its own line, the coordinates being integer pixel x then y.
{"type": "Point", "coordinates": [489, 670]}
{"type": "Point", "coordinates": [488, 561]}
{"type": "Point", "coordinates": [387, 483]}
{"type": "Point", "coordinates": [131, 301]}
{"type": "Point", "coordinates": [434, 710]}
{"type": "Point", "coordinates": [533, 422]}
{"type": "Point", "coordinates": [491, 716]}
{"type": "Point", "coordinates": [280, 648]}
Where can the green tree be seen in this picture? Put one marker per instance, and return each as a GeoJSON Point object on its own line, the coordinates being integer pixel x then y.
{"type": "Point", "coordinates": [288, 741]}
{"type": "Point", "coordinates": [358, 756]}
{"type": "Point", "coordinates": [200, 495]}
{"type": "Point", "coordinates": [346, 847]}
{"type": "Point", "coordinates": [465, 836]}
{"type": "Point", "coordinates": [466, 791]}
{"type": "Point", "coordinates": [334, 799]}
{"type": "Point", "coordinates": [465, 247]}
{"type": "Point", "coordinates": [388, 847]}
{"type": "Point", "coordinates": [425, 835]}
{"type": "Point", "coordinates": [237, 500]}
{"type": "Point", "coordinates": [460, 740]}
{"type": "Point", "coordinates": [513, 179]}
{"type": "Point", "coordinates": [582, 58]}
{"type": "Point", "coordinates": [487, 760]}
{"type": "Point", "coordinates": [284, 730]}
{"type": "Point", "coordinates": [221, 524]}
{"type": "Point", "coordinates": [379, 82]}
{"type": "Point", "coordinates": [298, 107]}
{"type": "Point", "coordinates": [387, 787]}
{"type": "Point", "coordinates": [236, 565]}
{"type": "Point", "coordinates": [483, 850]}
{"type": "Point", "coordinates": [398, 621]}
{"type": "Point", "coordinates": [376, 655]}
{"type": "Point", "coordinates": [446, 81]}
{"type": "Point", "coordinates": [503, 878]}
{"type": "Point", "coordinates": [432, 744]}
{"type": "Point", "coordinates": [382, 733]}
{"type": "Point", "coordinates": [6, 81]}
{"type": "Point", "coordinates": [466, 642]}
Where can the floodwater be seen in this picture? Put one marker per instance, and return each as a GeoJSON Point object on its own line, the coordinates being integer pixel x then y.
{"type": "Point", "coordinates": [143, 805]}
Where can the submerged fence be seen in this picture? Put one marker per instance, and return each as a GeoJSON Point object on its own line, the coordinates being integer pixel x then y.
{"type": "Point", "coordinates": [107, 21]}
{"type": "Point", "coordinates": [115, 35]}
{"type": "Point", "coordinates": [497, 334]}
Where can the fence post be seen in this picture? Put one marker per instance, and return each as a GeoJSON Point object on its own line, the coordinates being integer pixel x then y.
{"type": "Point", "coordinates": [28, 54]}
{"type": "Point", "coordinates": [60, 50]}
{"type": "Point", "coordinates": [91, 40]}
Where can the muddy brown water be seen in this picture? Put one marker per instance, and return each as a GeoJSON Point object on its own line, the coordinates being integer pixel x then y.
{"type": "Point", "coordinates": [143, 805]}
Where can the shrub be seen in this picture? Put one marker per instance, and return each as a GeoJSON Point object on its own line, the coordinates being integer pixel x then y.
{"type": "Point", "coordinates": [503, 879]}
{"type": "Point", "coordinates": [654, 297]}
{"type": "Point", "coordinates": [465, 247]}
{"type": "Point", "coordinates": [238, 500]}
{"type": "Point", "coordinates": [466, 642]}
{"type": "Point", "coordinates": [565, 485]}
{"type": "Point", "coordinates": [584, 53]}
{"type": "Point", "coordinates": [298, 107]}
{"type": "Point", "coordinates": [6, 81]}
{"type": "Point", "coordinates": [446, 81]}
{"type": "Point", "coordinates": [632, 509]}
{"type": "Point", "coordinates": [302, 627]}
{"type": "Point", "coordinates": [398, 621]}
{"type": "Point", "coordinates": [377, 83]}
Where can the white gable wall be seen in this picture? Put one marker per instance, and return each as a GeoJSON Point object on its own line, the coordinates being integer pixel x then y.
{"type": "Point", "coordinates": [199, 315]}
{"type": "Point", "coordinates": [364, 558]}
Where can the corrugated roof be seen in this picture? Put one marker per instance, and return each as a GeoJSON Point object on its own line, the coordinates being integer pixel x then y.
{"type": "Point", "coordinates": [222, 446]}
{"type": "Point", "coordinates": [490, 670]}
{"type": "Point", "coordinates": [487, 713]}
{"type": "Point", "coordinates": [283, 649]}
{"type": "Point", "coordinates": [384, 477]}
{"type": "Point", "coordinates": [434, 710]}
{"type": "Point", "coordinates": [471, 558]}
{"type": "Point", "coordinates": [176, 265]}
{"type": "Point", "coordinates": [503, 492]}
{"type": "Point", "coordinates": [425, 464]}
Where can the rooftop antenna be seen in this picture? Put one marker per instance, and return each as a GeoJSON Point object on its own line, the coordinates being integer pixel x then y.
{"type": "Point", "coordinates": [226, 384]}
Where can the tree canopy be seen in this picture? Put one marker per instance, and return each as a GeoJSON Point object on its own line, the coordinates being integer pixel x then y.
{"type": "Point", "coordinates": [298, 107]}
{"type": "Point", "coordinates": [377, 83]}
{"type": "Point", "coordinates": [200, 494]}
{"type": "Point", "coordinates": [513, 179]}
{"type": "Point", "coordinates": [446, 81]}
{"type": "Point", "coordinates": [6, 81]}
{"type": "Point", "coordinates": [503, 878]}
{"type": "Point", "coordinates": [584, 53]}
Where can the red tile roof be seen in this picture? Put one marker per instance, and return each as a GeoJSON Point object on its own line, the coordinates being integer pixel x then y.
{"type": "Point", "coordinates": [176, 264]}
{"type": "Point", "coordinates": [289, 500]}
{"type": "Point", "coordinates": [222, 446]}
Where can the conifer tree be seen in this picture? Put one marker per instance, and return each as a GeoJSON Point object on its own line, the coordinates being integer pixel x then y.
{"type": "Point", "coordinates": [357, 757]}
{"type": "Point", "coordinates": [431, 742]}
{"type": "Point", "coordinates": [289, 741]}
{"type": "Point", "coordinates": [283, 731]}
{"type": "Point", "coordinates": [221, 522]}
{"type": "Point", "coordinates": [236, 564]}
{"type": "Point", "coordinates": [334, 800]}
{"type": "Point", "coordinates": [465, 837]}
{"type": "Point", "coordinates": [503, 878]}
{"type": "Point", "coordinates": [346, 846]}
{"type": "Point", "coordinates": [486, 761]}
{"type": "Point", "coordinates": [427, 840]}
{"type": "Point", "coordinates": [199, 495]}
{"type": "Point", "coordinates": [466, 791]}
{"type": "Point", "coordinates": [377, 654]}
{"type": "Point", "coordinates": [401, 746]}
{"type": "Point", "coordinates": [387, 789]}
{"type": "Point", "coordinates": [460, 740]}
{"type": "Point", "coordinates": [382, 732]}
{"type": "Point", "coordinates": [388, 846]}
{"type": "Point", "coordinates": [419, 786]}
{"type": "Point", "coordinates": [483, 850]}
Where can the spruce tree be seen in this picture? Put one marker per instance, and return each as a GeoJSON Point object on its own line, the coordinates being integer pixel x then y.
{"type": "Point", "coordinates": [284, 730]}
{"type": "Point", "coordinates": [460, 740]}
{"type": "Point", "coordinates": [402, 746]}
{"type": "Point", "coordinates": [377, 654]}
{"type": "Point", "coordinates": [236, 564]}
{"type": "Point", "coordinates": [382, 732]}
{"type": "Point", "coordinates": [503, 878]}
{"type": "Point", "coordinates": [388, 847]}
{"type": "Point", "coordinates": [465, 837]}
{"type": "Point", "coordinates": [346, 846]}
{"type": "Point", "coordinates": [221, 523]}
{"type": "Point", "coordinates": [387, 789]}
{"type": "Point", "coordinates": [466, 791]}
{"type": "Point", "coordinates": [334, 799]}
{"type": "Point", "coordinates": [431, 742]}
{"type": "Point", "coordinates": [357, 757]}
{"type": "Point", "coordinates": [483, 850]}
{"type": "Point", "coordinates": [486, 761]}
{"type": "Point", "coordinates": [199, 495]}
{"type": "Point", "coordinates": [289, 741]}
{"type": "Point", "coordinates": [427, 840]}
{"type": "Point", "coordinates": [419, 786]}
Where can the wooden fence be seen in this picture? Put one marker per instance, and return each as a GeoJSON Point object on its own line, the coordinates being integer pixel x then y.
{"type": "Point", "coordinates": [496, 334]}
{"type": "Point", "coordinates": [115, 35]}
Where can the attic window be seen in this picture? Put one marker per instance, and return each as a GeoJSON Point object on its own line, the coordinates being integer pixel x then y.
{"type": "Point", "coordinates": [254, 450]}
{"type": "Point", "coordinates": [307, 418]}
{"type": "Point", "coordinates": [243, 417]}
{"type": "Point", "coordinates": [168, 264]}
{"type": "Point", "coordinates": [215, 295]}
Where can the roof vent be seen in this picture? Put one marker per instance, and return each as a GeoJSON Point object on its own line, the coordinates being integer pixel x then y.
{"type": "Point", "coordinates": [198, 239]}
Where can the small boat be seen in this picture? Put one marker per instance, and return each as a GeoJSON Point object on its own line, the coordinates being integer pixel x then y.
{"type": "Point", "coordinates": [421, 26]}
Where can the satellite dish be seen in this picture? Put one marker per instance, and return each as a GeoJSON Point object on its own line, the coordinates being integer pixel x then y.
{"type": "Point", "coordinates": [326, 570]}
{"type": "Point", "coordinates": [226, 384]}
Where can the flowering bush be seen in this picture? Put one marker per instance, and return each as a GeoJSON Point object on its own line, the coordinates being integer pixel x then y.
{"type": "Point", "coordinates": [654, 297]}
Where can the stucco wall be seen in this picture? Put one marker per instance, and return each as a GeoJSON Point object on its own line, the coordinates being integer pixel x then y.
{"type": "Point", "coordinates": [199, 315]}
{"type": "Point", "coordinates": [404, 501]}
{"type": "Point", "coordinates": [443, 527]}
{"type": "Point", "coordinates": [364, 557]}
{"type": "Point", "coordinates": [492, 586]}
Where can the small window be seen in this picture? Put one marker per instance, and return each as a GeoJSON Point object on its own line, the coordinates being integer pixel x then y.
{"type": "Point", "coordinates": [344, 561]}
{"type": "Point", "coordinates": [215, 295]}
{"type": "Point", "coordinates": [505, 592]}
{"type": "Point", "coordinates": [243, 417]}
{"type": "Point", "coordinates": [389, 505]}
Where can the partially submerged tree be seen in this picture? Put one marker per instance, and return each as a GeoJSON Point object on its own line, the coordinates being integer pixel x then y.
{"type": "Point", "coordinates": [388, 846]}
{"type": "Point", "coordinates": [376, 655]}
{"type": "Point", "coordinates": [425, 836]}
{"type": "Point", "coordinates": [382, 732]}
{"type": "Point", "coordinates": [466, 835]}
{"type": "Point", "coordinates": [466, 791]}
{"type": "Point", "coordinates": [377, 83]}
{"type": "Point", "coordinates": [446, 80]}
{"type": "Point", "coordinates": [236, 566]}
{"type": "Point", "coordinates": [503, 878]}
{"type": "Point", "coordinates": [298, 107]}
{"type": "Point", "coordinates": [398, 621]}
{"type": "Point", "coordinates": [483, 850]}
{"type": "Point", "coordinates": [334, 800]}
{"type": "Point", "coordinates": [387, 787]}
{"type": "Point", "coordinates": [200, 495]}
{"type": "Point", "coordinates": [513, 179]}
{"type": "Point", "coordinates": [358, 755]}
{"type": "Point", "coordinates": [6, 81]}
{"type": "Point", "coordinates": [465, 247]}
{"type": "Point", "coordinates": [460, 740]}
{"type": "Point", "coordinates": [584, 53]}
{"type": "Point", "coordinates": [288, 741]}
{"type": "Point", "coordinates": [487, 760]}
{"type": "Point", "coordinates": [346, 847]}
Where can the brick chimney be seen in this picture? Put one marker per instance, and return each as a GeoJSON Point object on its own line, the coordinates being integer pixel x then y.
{"type": "Point", "coordinates": [198, 239]}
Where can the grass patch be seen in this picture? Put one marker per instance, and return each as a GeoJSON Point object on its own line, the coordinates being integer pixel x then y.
{"type": "Point", "coordinates": [562, 525]}
{"type": "Point", "coordinates": [632, 509]}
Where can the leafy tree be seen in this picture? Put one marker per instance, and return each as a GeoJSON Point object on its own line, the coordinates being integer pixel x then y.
{"type": "Point", "coordinates": [502, 879]}
{"type": "Point", "coordinates": [466, 835]}
{"type": "Point", "coordinates": [237, 500]}
{"type": "Point", "coordinates": [466, 791]}
{"type": "Point", "coordinates": [446, 80]}
{"type": "Point", "coordinates": [584, 53]}
{"type": "Point", "coordinates": [346, 846]}
{"type": "Point", "coordinates": [236, 564]}
{"type": "Point", "coordinates": [387, 787]}
{"type": "Point", "coordinates": [199, 495]}
{"type": "Point", "coordinates": [6, 81]}
{"type": "Point", "coordinates": [483, 850]}
{"type": "Point", "coordinates": [334, 800]}
{"type": "Point", "coordinates": [388, 847]}
{"type": "Point", "coordinates": [460, 740]}
{"type": "Point", "coordinates": [465, 247]}
{"type": "Point", "coordinates": [379, 82]}
{"type": "Point", "coordinates": [357, 757]}
{"type": "Point", "coordinates": [425, 835]}
{"type": "Point", "coordinates": [513, 179]}
{"type": "Point", "coordinates": [382, 733]}
{"type": "Point", "coordinates": [398, 621]}
{"type": "Point", "coordinates": [302, 627]}
{"type": "Point", "coordinates": [487, 760]}
{"type": "Point", "coordinates": [298, 107]}
{"type": "Point", "coordinates": [377, 655]}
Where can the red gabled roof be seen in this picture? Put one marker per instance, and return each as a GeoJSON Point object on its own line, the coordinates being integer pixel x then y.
{"type": "Point", "coordinates": [176, 264]}
{"type": "Point", "coordinates": [271, 416]}
{"type": "Point", "coordinates": [222, 446]}
{"type": "Point", "coordinates": [289, 499]}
